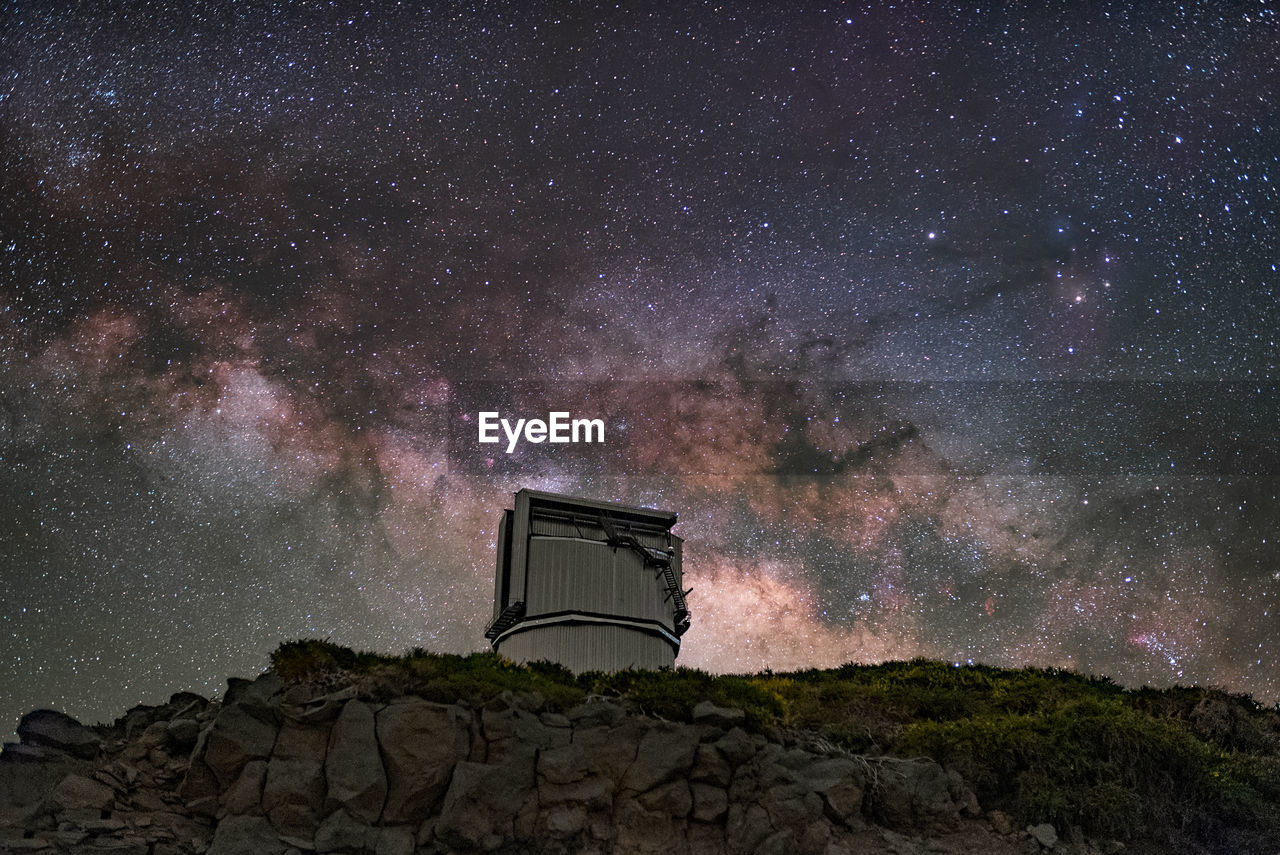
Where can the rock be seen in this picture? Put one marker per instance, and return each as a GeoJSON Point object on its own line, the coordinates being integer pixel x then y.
{"type": "Point", "coordinates": [156, 735]}
{"type": "Point", "coordinates": [237, 737]}
{"type": "Point", "coordinates": [300, 706]}
{"type": "Point", "coordinates": [203, 806]}
{"type": "Point", "coordinates": [482, 803]}
{"type": "Point", "coordinates": [59, 731]}
{"type": "Point", "coordinates": [15, 752]}
{"type": "Point", "coordinates": [781, 842]}
{"type": "Point", "coordinates": [353, 766]}
{"type": "Point", "coordinates": [709, 802]}
{"type": "Point", "coordinates": [596, 712]}
{"type": "Point", "coordinates": [420, 744]}
{"type": "Point", "coordinates": [551, 719]}
{"type": "Point", "coordinates": [105, 776]}
{"type": "Point", "coordinates": [244, 797]}
{"type": "Point", "coordinates": [98, 826]}
{"type": "Point", "coordinates": [341, 832]}
{"type": "Point", "coordinates": [240, 835]}
{"type": "Point", "coordinates": [594, 792]}
{"type": "Point", "coordinates": [611, 750]}
{"type": "Point", "coordinates": [78, 792]}
{"type": "Point", "coordinates": [391, 841]}
{"type": "Point", "coordinates": [665, 753]}
{"type": "Point", "coordinates": [746, 828]}
{"type": "Point", "coordinates": [1044, 834]}
{"type": "Point", "coordinates": [564, 821]}
{"type": "Point", "coordinates": [673, 799]}
{"type": "Point", "coordinates": [1000, 822]}
{"type": "Point", "coordinates": [710, 766]}
{"type": "Point", "coordinates": [840, 782]}
{"type": "Point", "coordinates": [182, 734]}
{"type": "Point", "coordinates": [708, 713]}
{"type": "Point", "coordinates": [513, 731]}
{"type": "Point", "coordinates": [294, 790]}
{"type": "Point", "coordinates": [199, 783]}
{"type": "Point", "coordinates": [708, 839]}
{"type": "Point", "coordinates": [963, 797]}
{"type": "Point", "coordinates": [737, 746]}
{"type": "Point", "coordinates": [254, 695]}
{"type": "Point", "coordinates": [913, 794]}
{"type": "Point", "coordinates": [564, 764]}
{"type": "Point", "coordinates": [297, 844]}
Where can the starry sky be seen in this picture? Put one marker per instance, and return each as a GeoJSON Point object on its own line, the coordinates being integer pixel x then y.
{"type": "Point", "coordinates": [948, 330]}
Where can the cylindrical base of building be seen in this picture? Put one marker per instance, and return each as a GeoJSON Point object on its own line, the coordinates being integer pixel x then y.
{"type": "Point", "coordinates": [588, 647]}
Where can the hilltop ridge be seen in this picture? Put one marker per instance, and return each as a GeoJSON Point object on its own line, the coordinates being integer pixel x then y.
{"type": "Point", "coordinates": [335, 751]}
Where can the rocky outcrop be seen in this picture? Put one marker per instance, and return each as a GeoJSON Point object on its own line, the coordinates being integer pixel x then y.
{"type": "Point", "coordinates": [275, 769]}
{"type": "Point", "coordinates": [55, 731]}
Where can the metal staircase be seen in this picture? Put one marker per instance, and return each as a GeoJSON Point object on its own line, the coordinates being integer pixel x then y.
{"type": "Point", "coordinates": [512, 613]}
{"type": "Point", "coordinates": [653, 557]}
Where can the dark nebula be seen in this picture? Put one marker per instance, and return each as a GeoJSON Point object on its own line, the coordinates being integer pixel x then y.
{"type": "Point", "coordinates": [949, 331]}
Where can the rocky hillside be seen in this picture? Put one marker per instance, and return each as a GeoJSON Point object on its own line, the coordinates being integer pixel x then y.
{"type": "Point", "coordinates": [390, 760]}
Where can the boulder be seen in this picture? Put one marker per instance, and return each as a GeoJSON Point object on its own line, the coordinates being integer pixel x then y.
{"type": "Point", "coordinates": [181, 734]}
{"type": "Point", "coordinates": [199, 783]}
{"type": "Point", "coordinates": [353, 767]}
{"type": "Point", "coordinates": [665, 753]}
{"type": "Point", "coordinates": [482, 803]}
{"type": "Point", "coordinates": [294, 790]}
{"type": "Point", "coordinates": [391, 841]}
{"type": "Point", "coordinates": [254, 695]}
{"type": "Point", "coordinates": [299, 704]}
{"type": "Point", "coordinates": [841, 783]}
{"type": "Point", "coordinates": [244, 797]}
{"type": "Point", "coordinates": [710, 766]}
{"type": "Point", "coordinates": [1000, 822]}
{"type": "Point", "coordinates": [609, 750]}
{"type": "Point", "coordinates": [341, 832]}
{"type": "Point", "coordinates": [239, 835]}
{"type": "Point", "coordinates": [913, 794]}
{"type": "Point", "coordinates": [709, 802]}
{"type": "Point", "coordinates": [238, 736]}
{"type": "Point", "coordinates": [15, 752]}
{"type": "Point", "coordinates": [737, 746]}
{"type": "Point", "coordinates": [672, 799]}
{"type": "Point", "coordinates": [420, 744]}
{"type": "Point", "coordinates": [598, 711]}
{"type": "Point", "coordinates": [512, 731]}
{"type": "Point", "coordinates": [708, 713]}
{"type": "Point", "coordinates": [1044, 834]}
{"type": "Point", "coordinates": [75, 792]}
{"type": "Point", "coordinates": [59, 731]}
{"type": "Point", "coordinates": [564, 764]}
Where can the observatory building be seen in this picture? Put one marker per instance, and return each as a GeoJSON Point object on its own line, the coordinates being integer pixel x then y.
{"type": "Point", "coordinates": [595, 586]}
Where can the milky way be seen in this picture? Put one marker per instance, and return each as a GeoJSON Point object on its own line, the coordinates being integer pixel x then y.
{"type": "Point", "coordinates": [948, 332]}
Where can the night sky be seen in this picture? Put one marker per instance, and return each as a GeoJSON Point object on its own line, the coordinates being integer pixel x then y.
{"type": "Point", "coordinates": [948, 331]}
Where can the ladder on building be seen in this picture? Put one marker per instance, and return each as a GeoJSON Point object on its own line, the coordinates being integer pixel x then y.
{"type": "Point", "coordinates": [653, 558]}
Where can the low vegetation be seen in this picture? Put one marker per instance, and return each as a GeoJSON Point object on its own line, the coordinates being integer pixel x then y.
{"type": "Point", "coordinates": [1042, 745]}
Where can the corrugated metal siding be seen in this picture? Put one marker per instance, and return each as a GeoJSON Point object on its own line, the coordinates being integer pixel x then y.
{"type": "Point", "coordinates": [573, 574]}
{"type": "Point", "coordinates": [556, 527]}
{"type": "Point", "coordinates": [501, 579]}
{"type": "Point", "coordinates": [589, 647]}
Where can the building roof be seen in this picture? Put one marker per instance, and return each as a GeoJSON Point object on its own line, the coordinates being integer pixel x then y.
{"type": "Point", "coordinates": [558, 501]}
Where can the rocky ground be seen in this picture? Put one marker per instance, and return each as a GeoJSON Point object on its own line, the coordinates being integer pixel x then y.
{"type": "Point", "coordinates": [275, 769]}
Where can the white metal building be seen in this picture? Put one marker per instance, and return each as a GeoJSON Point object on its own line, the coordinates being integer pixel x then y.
{"type": "Point", "coordinates": [595, 586]}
